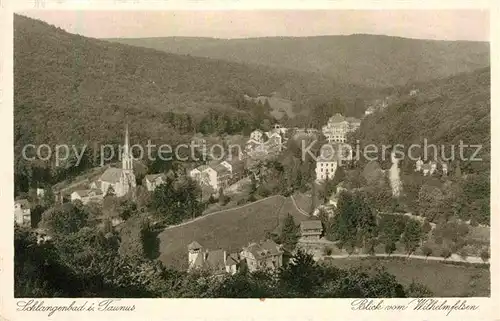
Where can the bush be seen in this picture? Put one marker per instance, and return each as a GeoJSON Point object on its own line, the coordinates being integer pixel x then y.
{"type": "Point", "coordinates": [485, 255]}
{"type": "Point", "coordinates": [446, 253]}
{"type": "Point", "coordinates": [426, 250]}
{"type": "Point", "coordinates": [327, 250]}
{"type": "Point", "coordinates": [463, 254]}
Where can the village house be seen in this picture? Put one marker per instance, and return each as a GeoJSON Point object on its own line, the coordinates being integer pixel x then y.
{"type": "Point", "coordinates": [154, 180]}
{"type": "Point", "coordinates": [311, 230]}
{"type": "Point", "coordinates": [216, 175]}
{"type": "Point", "coordinates": [413, 92]}
{"type": "Point", "coordinates": [338, 126]}
{"type": "Point", "coordinates": [264, 143]}
{"type": "Point", "coordinates": [119, 180]}
{"type": "Point", "coordinates": [431, 167]}
{"type": "Point", "coordinates": [87, 195]}
{"type": "Point", "coordinates": [327, 162]}
{"type": "Point", "coordinates": [262, 255]}
{"type": "Point", "coordinates": [216, 261]}
{"type": "Point", "coordinates": [40, 192]}
{"type": "Point", "coordinates": [22, 212]}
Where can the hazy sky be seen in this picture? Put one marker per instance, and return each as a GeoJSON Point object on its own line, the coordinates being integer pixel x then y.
{"type": "Point", "coordinates": [425, 24]}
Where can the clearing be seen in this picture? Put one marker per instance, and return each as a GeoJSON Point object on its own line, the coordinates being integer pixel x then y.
{"type": "Point", "coordinates": [229, 230]}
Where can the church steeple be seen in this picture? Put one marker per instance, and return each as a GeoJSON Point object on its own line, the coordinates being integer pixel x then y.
{"type": "Point", "coordinates": [126, 156]}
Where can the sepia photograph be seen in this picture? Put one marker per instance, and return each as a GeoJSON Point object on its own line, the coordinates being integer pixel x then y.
{"type": "Point", "coordinates": [252, 154]}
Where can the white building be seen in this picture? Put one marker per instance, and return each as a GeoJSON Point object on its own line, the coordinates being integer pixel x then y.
{"type": "Point", "coordinates": [87, 195]}
{"type": "Point", "coordinates": [217, 175]}
{"type": "Point", "coordinates": [338, 126]}
{"type": "Point", "coordinates": [120, 180]}
{"type": "Point", "coordinates": [326, 163]}
{"type": "Point", "coordinates": [22, 212]}
{"type": "Point", "coordinates": [40, 192]}
{"type": "Point", "coordinates": [155, 180]}
{"type": "Point", "coordinates": [257, 136]}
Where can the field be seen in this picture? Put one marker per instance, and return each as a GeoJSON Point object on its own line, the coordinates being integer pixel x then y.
{"type": "Point", "coordinates": [228, 230]}
{"type": "Point", "coordinates": [443, 279]}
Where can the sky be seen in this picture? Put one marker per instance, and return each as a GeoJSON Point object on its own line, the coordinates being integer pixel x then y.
{"type": "Point", "coordinates": [422, 24]}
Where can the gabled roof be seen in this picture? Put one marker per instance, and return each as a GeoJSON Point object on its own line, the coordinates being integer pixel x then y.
{"type": "Point", "coordinates": [202, 168]}
{"type": "Point", "coordinates": [263, 249]}
{"type": "Point", "coordinates": [215, 259]}
{"type": "Point", "coordinates": [194, 245]}
{"type": "Point", "coordinates": [111, 175]}
{"type": "Point", "coordinates": [221, 169]}
{"type": "Point", "coordinates": [154, 177]}
{"type": "Point", "coordinates": [87, 192]}
{"type": "Point", "coordinates": [311, 225]}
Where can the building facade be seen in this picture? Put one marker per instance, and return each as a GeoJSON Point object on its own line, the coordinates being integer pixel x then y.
{"type": "Point", "coordinates": [154, 180]}
{"type": "Point", "coordinates": [338, 126]}
{"type": "Point", "coordinates": [262, 255]}
{"type": "Point", "coordinates": [217, 261]}
{"type": "Point", "coordinates": [22, 212]}
{"type": "Point", "coordinates": [311, 230]}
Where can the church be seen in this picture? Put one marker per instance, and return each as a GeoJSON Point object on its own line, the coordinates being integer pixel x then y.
{"type": "Point", "coordinates": [119, 181]}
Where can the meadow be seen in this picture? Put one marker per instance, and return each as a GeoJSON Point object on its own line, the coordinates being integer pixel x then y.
{"type": "Point", "coordinates": [229, 230]}
{"type": "Point", "coordinates": [443, 279]}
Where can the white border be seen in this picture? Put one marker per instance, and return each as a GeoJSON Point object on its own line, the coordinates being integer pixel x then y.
{"type": "Point", "coordinates": [226, 309]}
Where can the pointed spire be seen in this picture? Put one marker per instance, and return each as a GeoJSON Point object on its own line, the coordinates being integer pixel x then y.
{"type": "Point", "coordinates": [126, 146]}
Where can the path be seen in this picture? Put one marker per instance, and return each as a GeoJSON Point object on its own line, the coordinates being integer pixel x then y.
{"type": "Point", "coordinates": [298, 208]}
{"type": "Point", "coordinates": [453, 258]}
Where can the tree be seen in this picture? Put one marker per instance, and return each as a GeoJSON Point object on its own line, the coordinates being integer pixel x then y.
{"type": "Point", "coordinates": [417, 290]}
{"type": "Point", "coordinates": [301, 276]}
{"type": "Point", "coordinates": [223, 199]}
{"type": "Point", "coordinates": [126, 209]}
{"type": "Point", "coordinates": [289, 233]}
{"type": "Point", "coordinates": [426, 227]}
{"type": "Point", "coordinates": [411, 236]}
{"type": "Point", "coordinates": [390, 247]}
{"type": "Point", "coordinates": [65, 218]}
{"type": "Point", "coordinates": [485, 255]}
{"type": "Point", "coordinates": [463, 254]}
{"type": "Point", "coordinates": [426, 250]}
{"type": "Point", "coordinates": [446, 253]}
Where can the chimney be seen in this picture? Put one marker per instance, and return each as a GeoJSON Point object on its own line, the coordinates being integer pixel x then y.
{"type": "Point", "coordinates": [225, 257]}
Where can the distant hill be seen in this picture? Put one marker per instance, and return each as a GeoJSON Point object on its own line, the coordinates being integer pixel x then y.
{"type": "Point", "coordinates": [369, 60]}
{"type": "Point", "coordinates": [69, 88]}
{"type": "Point", "coordinates": [444, 112]}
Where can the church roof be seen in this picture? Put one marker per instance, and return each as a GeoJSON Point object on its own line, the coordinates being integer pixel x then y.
{"type": "Point", "coordinates": [111, 175]}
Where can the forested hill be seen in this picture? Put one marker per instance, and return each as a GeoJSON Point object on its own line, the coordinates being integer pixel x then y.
{"type": "Point", "coordinates": [370, 60]}
{"type": "Point", "coordinates": [69, 88]}
{"type": "Point", "coordinates": [444, 112]}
